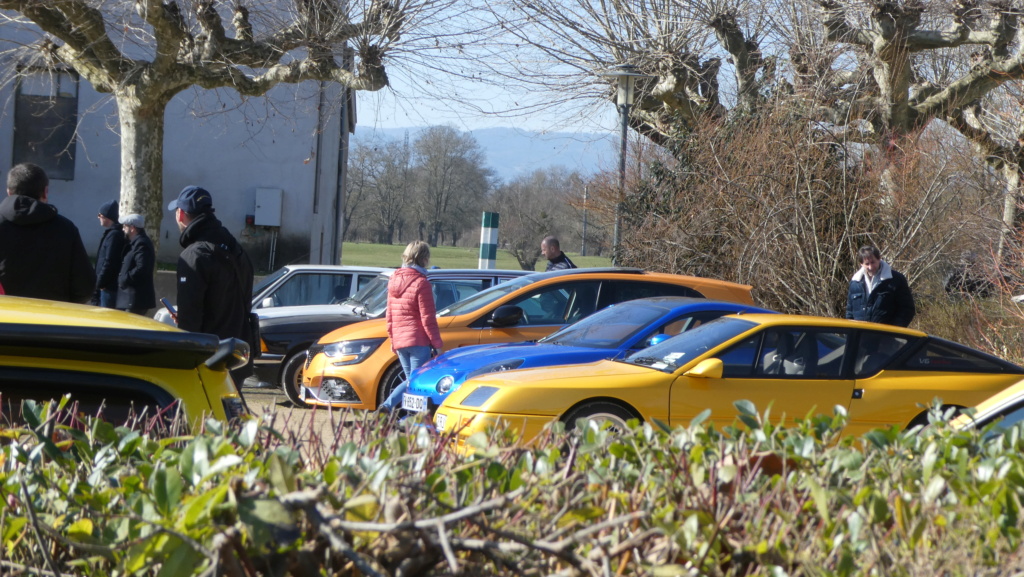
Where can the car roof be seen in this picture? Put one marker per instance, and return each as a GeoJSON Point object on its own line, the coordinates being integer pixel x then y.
{"type": "Point", "coordinates": [629, 271]}
{"type": "Point", "coordinates": [49, 329]}
{"type": "Point", "coordinates": [825, 322]}
{"type": "Point", "coordinates": [335, 268]}
{"type": "Point", "coordinates": [468, 272]}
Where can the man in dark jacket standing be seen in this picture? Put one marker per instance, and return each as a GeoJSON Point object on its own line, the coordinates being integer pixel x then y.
{"type": "Point", "coordinates": [41, 252]}
{"type": "Point", "coordinates": [108, 256]}
{"type": "Point", "coordinates": [551, 250]}
{"type": "Point", "coordinates": [135, 290]}
{"type": "Point", "coordinates": [878, 293]}
{"type": "Point", "coordinates": [215, 274]}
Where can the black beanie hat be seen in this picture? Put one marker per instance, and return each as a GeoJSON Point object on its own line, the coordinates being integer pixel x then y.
{"type": "Point", "coordinates": [109, 210]}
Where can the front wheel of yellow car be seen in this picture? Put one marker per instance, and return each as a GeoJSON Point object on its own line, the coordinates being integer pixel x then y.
{"type": "Point", "coordinates": [291, 378]}
{"type": "Point", "coordinates": [600, 412]}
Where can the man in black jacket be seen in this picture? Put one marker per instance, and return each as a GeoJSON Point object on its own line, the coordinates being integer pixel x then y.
{"type": "Point", "coordinates": [136, 292]}
{"type": "Point", "coordinates": [108, 256]}
{"type": "Point", "coordinates": [215, 274]}
{"type": "Point", "coordinates": [878, 293]}
{"type": "Point", "coordinates": [551, 250]}
{"type": "Point", "coordinates": [41, 252]}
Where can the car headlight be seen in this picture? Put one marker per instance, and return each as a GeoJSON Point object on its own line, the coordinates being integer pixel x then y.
{"type": "Point", "coordinates": [351, 352]}
{"type": "Point", "coordinates": [479, 396]}
{"type": "Point", "coordinates": [506, 365]}
{"type": "Point", "coordinates": [445, 384]}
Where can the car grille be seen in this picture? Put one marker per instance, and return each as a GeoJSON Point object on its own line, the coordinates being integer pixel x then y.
{"type": "Point", "coordinates": [313, 350]}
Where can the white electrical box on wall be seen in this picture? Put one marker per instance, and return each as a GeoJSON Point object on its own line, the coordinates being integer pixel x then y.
{"type": "Point", "coordinates": [268, 207]}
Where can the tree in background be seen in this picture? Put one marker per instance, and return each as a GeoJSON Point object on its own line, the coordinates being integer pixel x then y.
{"type": "Point", "coordinates": [535, 205]}
{"type": "Point", "coordinates": [877, 74]}
{"type": "Point", "coordinates": [144, 53]}
{"type": "Point", "coordinates": [451, 182]}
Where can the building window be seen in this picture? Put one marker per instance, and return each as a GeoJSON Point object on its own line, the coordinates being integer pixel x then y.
{"type": "Point", "coordinates": [45, 120]}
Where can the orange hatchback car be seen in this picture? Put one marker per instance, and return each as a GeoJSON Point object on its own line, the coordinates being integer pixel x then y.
{"type": "Point", "coordinates": [355, 367]}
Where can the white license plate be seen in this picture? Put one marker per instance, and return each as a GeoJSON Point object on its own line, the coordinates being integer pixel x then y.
{"type": "Point", "coordinates": [414, 403]}
{"type": "Point", "coordinates": [439, 421]}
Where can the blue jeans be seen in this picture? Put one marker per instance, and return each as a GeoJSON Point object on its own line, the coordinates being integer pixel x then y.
{"type": "Point", "coordinates": [108, 298]}
{"type": "Point", "coordinates": [411, 359]}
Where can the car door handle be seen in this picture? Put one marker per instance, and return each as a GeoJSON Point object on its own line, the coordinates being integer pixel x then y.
{"type": "Point", "coordinates": [858, 393]}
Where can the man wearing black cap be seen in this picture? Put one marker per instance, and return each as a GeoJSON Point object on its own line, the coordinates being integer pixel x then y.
{"type": "Point", "coordinates": [136, 292]}
{"type": "Point", "coordinates": [41, 252]}
{"type": "Point", "coordinates": [108, 256]}
{"type": "Point", "coordinates": [214, 273]}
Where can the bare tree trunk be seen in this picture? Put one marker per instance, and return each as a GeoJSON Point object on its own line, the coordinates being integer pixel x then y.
{"type": "Point", "coordinates": [1012, 174]}
{"type": "Point", "coordinates": [142, 144]}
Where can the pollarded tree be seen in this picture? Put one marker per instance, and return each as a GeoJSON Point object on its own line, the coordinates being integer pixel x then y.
{"type": "Point", "coordinates": [876, 72]}
{"type": "Point", "coordinates": [145, 52]}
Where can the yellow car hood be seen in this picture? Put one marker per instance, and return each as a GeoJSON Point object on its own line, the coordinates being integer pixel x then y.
{"type": "Point", "coordinates": [548, 391]}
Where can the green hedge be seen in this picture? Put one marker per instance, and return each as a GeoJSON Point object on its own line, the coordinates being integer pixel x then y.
{"type": "Point", "coordinates": [381, 498]}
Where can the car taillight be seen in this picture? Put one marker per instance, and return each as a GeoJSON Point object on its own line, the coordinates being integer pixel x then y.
{"type": "Point", "coordinates": [234, 407]}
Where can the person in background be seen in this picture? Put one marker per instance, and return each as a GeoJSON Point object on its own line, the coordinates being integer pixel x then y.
{"type": "Point", "coordinates": [215, 275]}
{"type": "Point", "coordinates": [878, 293]}
{"type": "Point", "coordinates": [557, 260]}
{"type": "Point", "coordinates": [411, 317]}
{"type": "Point", "coordinates": [41, 252]}
{"type": "Point", "coordinates": [108, 256]}
{"type": "Point", "coordinates": [136, 292]}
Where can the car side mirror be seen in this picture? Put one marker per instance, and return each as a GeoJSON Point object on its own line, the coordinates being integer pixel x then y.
{"type": "Point", "coordinates": [506, 316]}
{"type": "Point", "coordinates": [267, 303]}
{"type": "Point", "coordinates": [231, 354]}
{"type": "Point", "coordinates": [707, 369]}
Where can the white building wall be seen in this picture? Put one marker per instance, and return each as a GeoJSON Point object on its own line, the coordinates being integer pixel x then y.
{"type": "Point", "coordinates": [228, 145]}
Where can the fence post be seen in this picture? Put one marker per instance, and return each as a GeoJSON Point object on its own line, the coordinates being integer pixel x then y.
{"type": "Point", "coordinates": [489, 240]}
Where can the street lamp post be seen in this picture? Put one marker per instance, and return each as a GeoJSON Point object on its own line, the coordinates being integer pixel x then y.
{"type": "Point", "coordinates": [625, 75]}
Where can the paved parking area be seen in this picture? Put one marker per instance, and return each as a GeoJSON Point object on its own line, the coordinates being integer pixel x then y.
{"type": "Point", "coordinates": [303, 424]}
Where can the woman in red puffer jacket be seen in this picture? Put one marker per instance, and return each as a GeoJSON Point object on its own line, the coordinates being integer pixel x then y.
{"type": "Point", "coordinates": [411, 316]}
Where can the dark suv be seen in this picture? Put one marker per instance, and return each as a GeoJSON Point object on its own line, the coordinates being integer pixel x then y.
{"type": "Point", "coordinates": [287, 332]}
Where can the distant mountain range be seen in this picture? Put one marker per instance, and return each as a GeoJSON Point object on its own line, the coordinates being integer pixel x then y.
{"type": "Point", "coordinates": [512, 152]}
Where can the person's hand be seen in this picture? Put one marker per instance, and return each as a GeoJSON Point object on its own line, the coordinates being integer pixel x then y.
{"type": "Point", "coordinates": [174, 317]}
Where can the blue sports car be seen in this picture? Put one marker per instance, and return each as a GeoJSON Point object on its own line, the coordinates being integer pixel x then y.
{"type": "Point", "coordinates": [616, 331]}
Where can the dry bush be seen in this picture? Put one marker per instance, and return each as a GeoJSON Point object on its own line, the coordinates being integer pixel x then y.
{"type": "Point", "coordinates": [782, 204]}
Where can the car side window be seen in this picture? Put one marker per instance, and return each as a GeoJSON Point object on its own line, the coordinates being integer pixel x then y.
{"type": "Point", "coordinates": [738, 361]}
{"type": "Point", "coordinates": [558, 305]}
{"type": "Point", "coordinates": [312, 289]}
{"type": "Point", "coordinates": [875, 351]}
{"type": "Point", "coordinates": [803, 353]}
{"type": "Point", "coordinates": [619, 291]}
{"type": "Point", "coordinates": [938, 356]}
{"type": "Point", "coordinates": [467, 288]}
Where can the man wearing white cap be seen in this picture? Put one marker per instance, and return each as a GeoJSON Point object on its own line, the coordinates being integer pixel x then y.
{"type": "Point", "coordinates": [135, 290]}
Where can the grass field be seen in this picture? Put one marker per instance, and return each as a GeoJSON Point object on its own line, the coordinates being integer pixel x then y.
{"type": "Point", "coordinates": [366, 254]}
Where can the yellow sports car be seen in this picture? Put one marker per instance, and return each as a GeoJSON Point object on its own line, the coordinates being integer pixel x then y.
{"type": "Point", "coordinates": [113, 362]}
{"type": "Point", "coordinates": [882, 375]}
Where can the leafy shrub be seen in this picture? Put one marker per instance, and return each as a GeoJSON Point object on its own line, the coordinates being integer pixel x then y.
{"type": "Point", "coordinates": [388, 500]}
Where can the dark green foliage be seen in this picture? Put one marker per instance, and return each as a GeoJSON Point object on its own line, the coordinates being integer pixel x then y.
{"type": "Point", "coordinates": [755, 499]}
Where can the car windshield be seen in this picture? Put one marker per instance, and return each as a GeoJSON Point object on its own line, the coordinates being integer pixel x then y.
{"type": "Point", "coordinates": [485, 297]}
{"type": "Point", "coordinates": [269, 280]}
{"type": "Point", "coordinates": [372, 299]}
{"type": "Point", "coordinates": [607, 329]}
{"type": "Point", "coordinates": [679, 350]}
